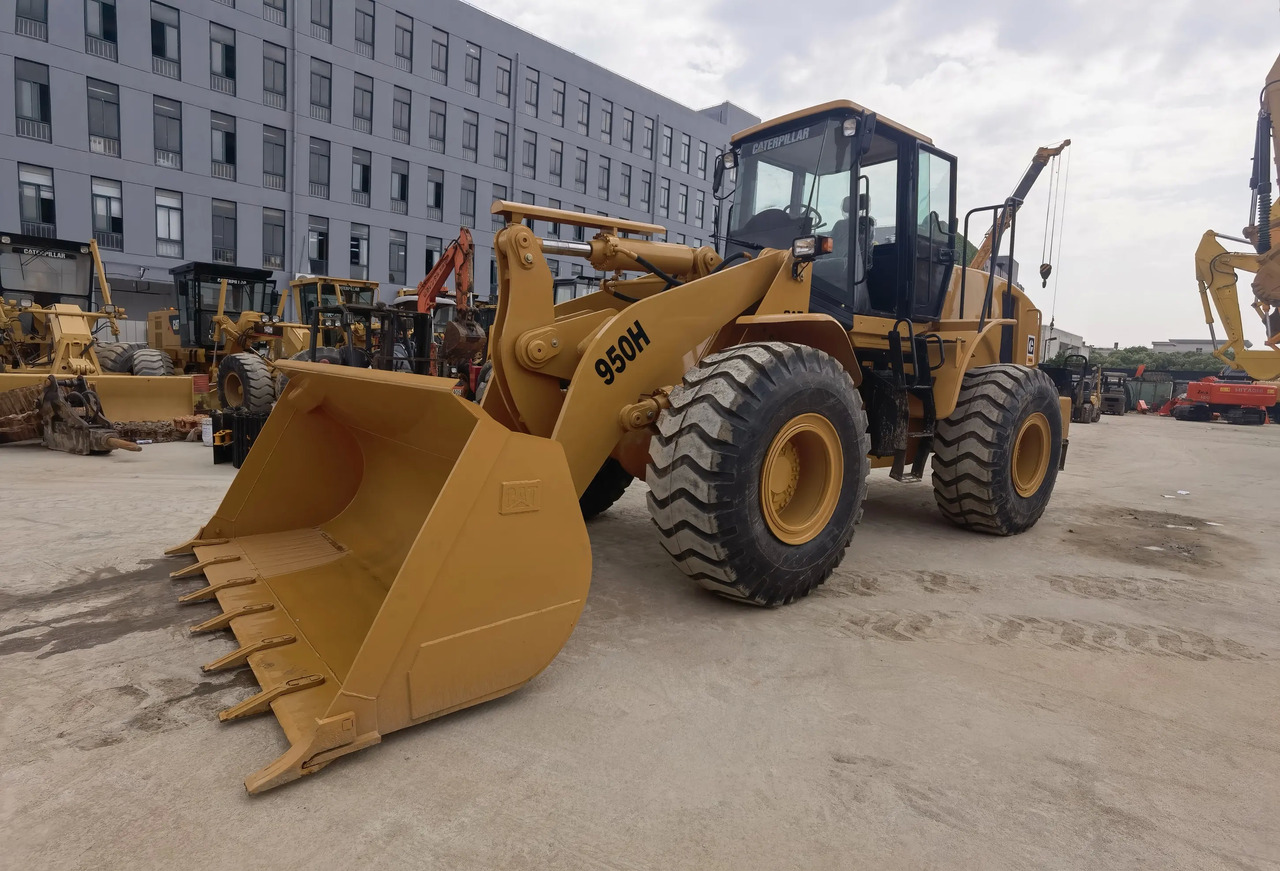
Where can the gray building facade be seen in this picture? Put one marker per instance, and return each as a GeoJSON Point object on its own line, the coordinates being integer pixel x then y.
{"type": "Point", "coordinates": [344, 137]}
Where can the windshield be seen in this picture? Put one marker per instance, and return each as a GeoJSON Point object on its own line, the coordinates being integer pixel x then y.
{"type": "Point", "coordinates": [792, 184]}
{"type": "Point", "coordinates": [332, 295]}
{"type": "Point", "coordinates": [46, 275]}
{"type": "Point", "coordinates": [242, 296]}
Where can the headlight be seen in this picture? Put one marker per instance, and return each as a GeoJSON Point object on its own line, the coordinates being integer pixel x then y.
{"type": "Point", "coordinates": [84, 249]}
{"type": "Point", "coordinates": [5, 240]}
{"type": "Point", "coordinates": [849, 127]}
{"type": "Point", "coordinates": [729, 159]}
{"type": "Point", "coordinates": [809, 247]}
{"type": "Point", "coordinates": [26, 303]}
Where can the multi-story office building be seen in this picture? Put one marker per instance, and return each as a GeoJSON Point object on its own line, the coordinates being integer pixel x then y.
{"type": "Point", "coordinates": [341, 137]}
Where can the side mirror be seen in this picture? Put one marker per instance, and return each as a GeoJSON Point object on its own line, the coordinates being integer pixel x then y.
{"type": "Point", "coordinates": [865, 132]}
{"type": "Point", "coordinates": [724, 161]}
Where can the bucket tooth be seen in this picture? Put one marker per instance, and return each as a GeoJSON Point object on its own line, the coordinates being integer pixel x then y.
{"type": "Point", "coordinates": [260, 702]}
{"type": "Point", "coordinates": [222, 621]}
{"type": "Point", "coordinates": [190, 545]}
{"type": "Point", "coordinates": [210, 591]}
{"type": "Point", "coordinates": [239, 657]}
{"type": "Point", "coordinates": [198, 567]}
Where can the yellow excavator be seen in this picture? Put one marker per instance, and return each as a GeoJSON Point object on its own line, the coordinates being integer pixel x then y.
{"type": "Point", "coordinates": [1216, 267]}
{"type": "Point", "coordinates": [442, 558]}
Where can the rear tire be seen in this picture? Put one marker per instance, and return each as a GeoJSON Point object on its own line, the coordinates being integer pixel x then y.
{"type": "Point", "coordinates": [759, 471]}
{"type": "Point", "coordinates": [482, 381]}
{"type": "Point", "coordinates": [151, 362]}
{"type": "Point", "coordinates": [118, 356]}
{"type": "Point", "coordinates": [996, 456]}
{"type": "Point", "coordinates": [244, 381]}
{"type": "Point", "coordinates": [605, 489]}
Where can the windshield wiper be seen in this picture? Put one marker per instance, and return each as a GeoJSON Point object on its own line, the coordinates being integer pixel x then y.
{"type": "Point", "coordinates": [745, 244]}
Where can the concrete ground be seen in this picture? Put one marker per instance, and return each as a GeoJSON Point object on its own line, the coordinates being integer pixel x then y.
{"type": "Point", "coordinates": [1101, 692]}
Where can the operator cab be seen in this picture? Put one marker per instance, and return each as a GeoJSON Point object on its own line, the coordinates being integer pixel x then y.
{"type": "Point", "coordinates": [46, 271]}
{"type": "Point", "coordinates": [316, 291]}
{"type": "Point", "coordinates": [881, 191]}
{"type": "Point", "coordinates": [199, 284]}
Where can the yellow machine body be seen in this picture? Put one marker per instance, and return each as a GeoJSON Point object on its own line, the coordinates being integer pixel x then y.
{"type": "Point", "coordinates": [389, 552]}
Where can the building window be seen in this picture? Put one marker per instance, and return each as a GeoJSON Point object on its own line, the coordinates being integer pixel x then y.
{"type": "Point", "coordinates": [400, 187]}
{"type": "Point", "coordinates": [531, 92]}
{"type": "Point", "coordinates": [100, 28]}
{"type": "Point", "coordinates": [104, 118]}
{"type": "Point", "coordinates": [272, 239]}
{"type": "Point", "coordinates": [499, 195]}
{"type": "Point", "coordinates": [468, 203]}
{"type": "Point", "coordinates": [435, 194]}
{"type": "Point", "coordinates": [322, 20]}
{"type": "Point", "coordinates": [584, 112]}
{"type": "Point", "coordinates": [527, 199]}
{"type": "Point", "coordinates": [35, 201]}
{"type": "Point", "coordinates": [646, 138]}
{"type": "Point", "coordinates": [273, 157]}
{"type": "Point", "coordinates": [404, 42]}
{"type": "Point", "coordinates": [557, 101]}
{"type": "Point", "coordinates": [682, 204]}
{"type": "Point", "coordinates": [646, 189]}
{"type": "Point", "coordinates": [664, 197]}
{"type": "Point", "coordinates": [33, 19]}
{"type": "Point", "coordinates": [33, 108]}
{"type": "Point", "coordinates": [435, 126]}
{"type": "Point", "coordinates": [557, 162]}
{"type": "Point", "coordinates": [699, 207]}
{"type": "Point", "coordinates": [439, 56]}
{"type": "Point", "coordinates": [553, 227]}
{"type": "Point", "coordinates": [666, 145]}
{"type": "Point", "coordinates": [580, 171]}
{"type": "Point", "coordinates": [168, 132]}
{"type": "Point", "coordinates": [625, 185]}
{"type": "Point", "coordinates": [168, 224]}
{"type": "Point", "coordinates": [702, 160]}
{"type": "Point", "coordinates": [434, 246]}
{"type": "Point", "coordinates": [606, 121]}
{"type": "Point", "coordinates": [628, 127]}
{"type": "Point", "coordinates": [501, 144]}
{"type": "Point", "coordinates": [108, 214]}
{"type": "Point", "coordinates": [529, 155]}
{"type": "Point", "coordinates": [604, 178]}
{"type": "Point", "coordinates": [165, 57]}
{"type": "Point", "coordinates": [362, 105]}
{"type": "Point", "coordinates": [579, 232]}
{"type": "Point", "coordinates": [317, 245]}
{"type": "Point", "coordinates": [360, 251]}
{"type": "Point", "coordinates": [502, 81]}
{"type": "Point", "coordinates": [274, 76]}
{"type": "Point", "coordinates": [364, 27]}
{"type": "Point", "coordinates": [274, 12]}
{"type": "Point", "coordinates": [361, 176]}
{"type": "Point", "coordinates": [401, 114]}
{"type": "Point", "coordinates": [470, 135]}
{"type": "Point", "coordinates": [224, 232]}
{"type": "Point", "coordinates": [318, 168]}
{"type": "Point", "coordinates": [224, 146]}
{"type": "Point", "coordinates": [398, 258]}
{"type": "Point", "coordinates": [471, 70]}
{"type": "Point", "coordinates": [684, 152]}
{"type": "Point", "coordinates": [321, 89]}
{"type": "Point", "coordinates": [222, 59]}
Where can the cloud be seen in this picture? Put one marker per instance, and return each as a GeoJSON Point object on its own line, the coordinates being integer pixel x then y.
{"type": "Point", "coordinates": [1159, 100]}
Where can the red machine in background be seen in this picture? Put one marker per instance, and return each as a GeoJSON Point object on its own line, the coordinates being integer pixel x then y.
{"type": "Point", "coordinates": [458, 342]}
{"type": "Point", "coordinates": [1239, 402]}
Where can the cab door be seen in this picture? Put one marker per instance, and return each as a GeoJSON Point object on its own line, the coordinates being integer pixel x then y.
{"type": "Point", "coordinates": [935, 231]}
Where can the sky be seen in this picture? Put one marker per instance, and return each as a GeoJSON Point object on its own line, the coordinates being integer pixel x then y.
{"type": "Point", "coordinates": [1159, 99]}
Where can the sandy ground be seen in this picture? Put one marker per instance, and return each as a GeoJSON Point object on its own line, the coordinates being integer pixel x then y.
{"type": "Point", "coordinates": [1101, 692]}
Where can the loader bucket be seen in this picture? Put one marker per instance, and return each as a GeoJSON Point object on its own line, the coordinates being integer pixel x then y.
{"type": "Point", "coordinates": [388, 553]}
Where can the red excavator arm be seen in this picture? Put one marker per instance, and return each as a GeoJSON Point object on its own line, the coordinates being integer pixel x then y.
{"type": "Point", "coordinates": [458, 260]}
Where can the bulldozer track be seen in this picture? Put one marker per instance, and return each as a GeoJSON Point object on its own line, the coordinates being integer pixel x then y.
{"type": "Point", "coordinates": [1045, 632]}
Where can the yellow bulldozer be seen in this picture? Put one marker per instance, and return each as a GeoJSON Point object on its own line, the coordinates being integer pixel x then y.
{"type": "Point", "coordinates": [50, 326]}
{"type": "Point", "coordinates": [442, 559]}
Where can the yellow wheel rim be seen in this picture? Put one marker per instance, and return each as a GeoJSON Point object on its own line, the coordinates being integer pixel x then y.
{"type": "Point", "coordinates": [800, 479]}
{"type": "Point", "coordinates": [234, 390]}
{"type": "Point", "coordinates": [1031, 450]}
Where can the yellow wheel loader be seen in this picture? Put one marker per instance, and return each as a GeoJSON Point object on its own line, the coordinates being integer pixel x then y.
{"type": "Point", "coordinates": [442, 558]}
{"type": "Point", "coordinates": [49, 326]}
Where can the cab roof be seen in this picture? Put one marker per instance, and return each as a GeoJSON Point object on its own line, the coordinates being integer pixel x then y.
{"type": "Point", "coordinates": [824, 109]}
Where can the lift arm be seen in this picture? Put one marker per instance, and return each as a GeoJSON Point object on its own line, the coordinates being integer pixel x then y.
{"type": "Point", "coordinates": [459, 260]}
{"type": "Point", "coordinates": [982, 256]}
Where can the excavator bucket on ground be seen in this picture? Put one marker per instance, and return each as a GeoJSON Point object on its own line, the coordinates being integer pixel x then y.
{"type": "Point", "coordinates": [388, 553]}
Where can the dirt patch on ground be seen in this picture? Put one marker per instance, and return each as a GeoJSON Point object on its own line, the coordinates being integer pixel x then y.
{"type": "Point", "coordinates": [1160, 539]}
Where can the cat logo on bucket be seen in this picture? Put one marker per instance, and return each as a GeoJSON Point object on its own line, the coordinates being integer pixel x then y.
{"type": "Point", "coordinates": [519, 497]}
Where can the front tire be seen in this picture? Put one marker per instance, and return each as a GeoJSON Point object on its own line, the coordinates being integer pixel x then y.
{"type": "Point", "coordinates": [118, 356]}
{"type": "Point", "coordinates": [759, 471]}
{"type": "Point", "coordinates": [605, 489]}
{"type": "Point", "coordinates": [151, 362]}
{"type": "Point", "coordinates": [996, 456]}
{"type": "Point", "coordinates": [244, 381]}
